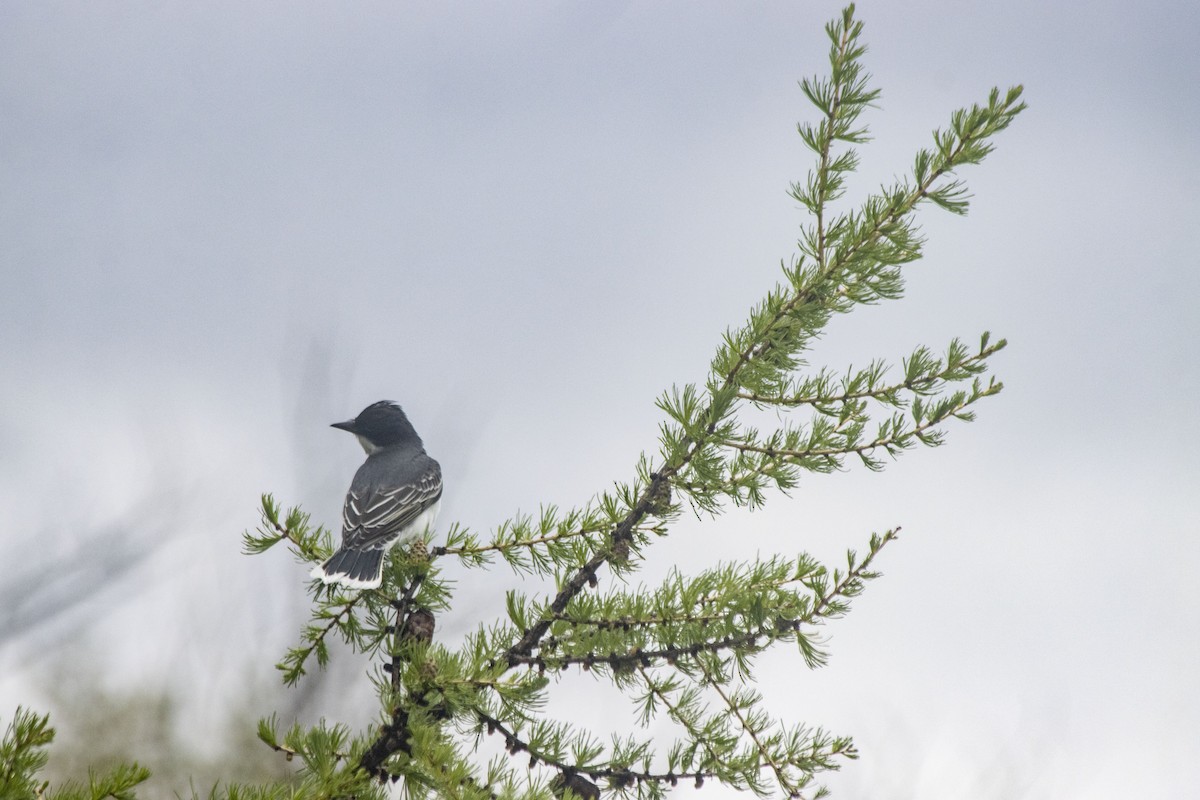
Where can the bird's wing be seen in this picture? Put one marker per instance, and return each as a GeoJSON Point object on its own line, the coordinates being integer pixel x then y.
{"type": "Point", "coordinates": [375, 515]}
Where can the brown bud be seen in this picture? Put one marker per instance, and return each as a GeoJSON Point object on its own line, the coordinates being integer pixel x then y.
{"type": "Point", "coordinates": [620, 549]}
{"type": "Point", "coordinates": [579, 786]}
{"type": "Point", "coordinates": [420, 626]}
{"type": "Point", "coordinates": [661, 498]}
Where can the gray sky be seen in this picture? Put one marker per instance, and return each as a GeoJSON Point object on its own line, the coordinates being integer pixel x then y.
{"type": "Point", "coordinates": [223, 226]}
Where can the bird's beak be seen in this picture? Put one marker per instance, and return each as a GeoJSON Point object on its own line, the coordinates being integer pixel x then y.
{"type": "Point", "coordinates": [348, 425]}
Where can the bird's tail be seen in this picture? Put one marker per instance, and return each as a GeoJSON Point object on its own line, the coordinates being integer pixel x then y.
{"type": "Point", "coordinates": [356, 569]}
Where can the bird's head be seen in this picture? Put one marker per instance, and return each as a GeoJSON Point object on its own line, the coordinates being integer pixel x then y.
{"type": "Point", "coordinates": [381, 424]}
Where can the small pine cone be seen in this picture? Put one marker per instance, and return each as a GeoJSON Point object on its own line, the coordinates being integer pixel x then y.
{"type": "Point", "coordinates": [580, 786]}
{"type": "Point", "coordinates": [419, 550]}
{"type": "Point", "coordinates": [419, 625]}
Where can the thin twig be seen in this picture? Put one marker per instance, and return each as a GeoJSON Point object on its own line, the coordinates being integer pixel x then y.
{"type": "Point", "coordinates": [896, 439]}
{"type": "Point", "coordinates": [515, 744]}
{"type": "Point", "coordinates": [914, 385]}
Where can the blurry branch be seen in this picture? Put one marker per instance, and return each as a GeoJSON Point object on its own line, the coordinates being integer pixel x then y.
{"type": "Point", "coordinates": [36, 597]}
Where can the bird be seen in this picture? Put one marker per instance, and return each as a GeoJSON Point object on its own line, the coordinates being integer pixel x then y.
{"type": "Point", "coordinates": [394, 497]}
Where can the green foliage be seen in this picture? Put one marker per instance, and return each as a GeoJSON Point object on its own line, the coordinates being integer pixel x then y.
{"type": "Point", "coordinates": [683, 651]}
{"type": "Point", "coordinates": [23, 754]}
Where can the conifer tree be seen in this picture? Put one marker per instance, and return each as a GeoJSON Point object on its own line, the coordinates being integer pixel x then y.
{"type": "Point", "coordinates": [682, 651]}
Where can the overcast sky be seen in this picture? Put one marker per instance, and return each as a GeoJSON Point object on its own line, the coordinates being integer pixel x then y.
{"type": "Point", "coordinates": [225, 225]}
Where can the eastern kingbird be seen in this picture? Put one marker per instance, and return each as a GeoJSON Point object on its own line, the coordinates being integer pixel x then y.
{"type": "Point", "coordinates": [394, 497]}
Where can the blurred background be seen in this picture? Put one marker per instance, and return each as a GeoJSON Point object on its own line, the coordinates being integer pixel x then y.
{"type": "Point", "coordinates": [224, 226]}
